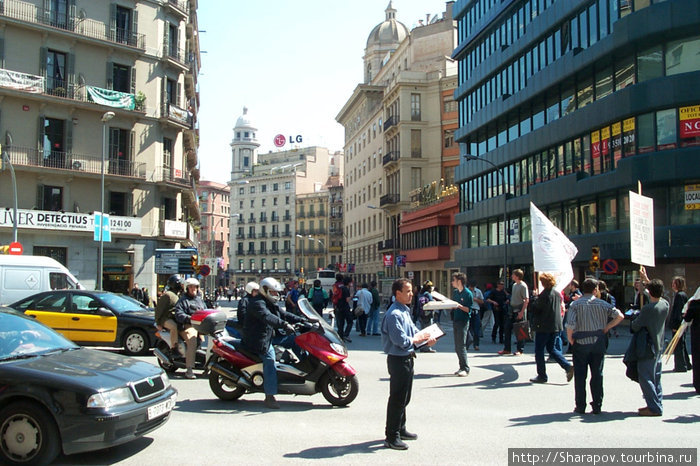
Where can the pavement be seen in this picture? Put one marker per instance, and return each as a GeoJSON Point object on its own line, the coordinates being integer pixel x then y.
{"type": "Point", "coordinates": [460, 420]}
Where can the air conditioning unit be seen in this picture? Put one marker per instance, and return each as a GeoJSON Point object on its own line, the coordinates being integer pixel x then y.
{"type": "Point", "coordinates": [79, 164]}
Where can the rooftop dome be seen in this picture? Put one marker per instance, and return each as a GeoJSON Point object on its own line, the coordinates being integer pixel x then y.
{"type": "Point", "coordinates": [389, 31]}
{"type": "Point", "coordinates": [244, 121]}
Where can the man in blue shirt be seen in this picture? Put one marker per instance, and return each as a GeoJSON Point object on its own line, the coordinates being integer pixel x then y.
{"type": "Point", "coordinates": [460, 324]}
{"type": "Point", "coordinates": [399, 339]}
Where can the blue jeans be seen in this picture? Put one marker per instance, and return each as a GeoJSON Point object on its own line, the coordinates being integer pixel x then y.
{"type": "Point", "coordinates": [650, 382]}
{"type": "Point", "coordinates": [269, 372]}
{"type": "Point", "coordinates": [461, 329]}
{"type": "Point", "coordinates": [287, 341]}
{"type": "Point", "coordinates": [549, 341]}
{"type": "Point", "coordinates": [373, 322]}
{"type": "Point", "coordinates": [475, 326]}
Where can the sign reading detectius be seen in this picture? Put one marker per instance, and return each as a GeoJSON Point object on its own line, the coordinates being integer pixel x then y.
{"type": "Point", "coordinates": [67, 221]}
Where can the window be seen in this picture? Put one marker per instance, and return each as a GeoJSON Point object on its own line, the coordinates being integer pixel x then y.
{"type": "Point", "coordinates": [52, 139]}
{"type": "Point", "coordinates": [121, 144]}
{"type": "Point", "coordinates": [241, 191]}
{"type": "Point", "coordinates": [624, 73]}
{"type": "Point", "coordinates": [650, 64]}
{"type": "Point", "coordinates": [415, 178]}
{"type": "Point", "coordinates": [55, 71]}
{"type": "Point", "coordinates": [123, 25]}
{"type": "Point", "coordinates": [252, 190]}
{"type": "Point", "coordinates": [263, 188]}
{"type": "Point", "coordinates": [167, 154]}
{"type": "Point", "coordinates": [681, 56]}
{"type": "Point", "coordinates": [415, 107]}
{"type": "Point", "coordinates": [119, 203]}
{"type": "Point", "coordinates": [416, 143]}
{"type": "Point", "coordinates": [666, 129]}
{"type": "Point", "coordinates": [287, 185]}
{"type": "Point", "coordinates": [49, 198]}
{"type": "Point", "coordinates": [121, 78]}
{"type": "Point", "coordinates": [275, 186]}
{"type": "Point", "coordinates": [603, 83]}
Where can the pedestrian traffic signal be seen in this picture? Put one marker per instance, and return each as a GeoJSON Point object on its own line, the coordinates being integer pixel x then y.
{"type": "Point", "coordinates": [594, 263]}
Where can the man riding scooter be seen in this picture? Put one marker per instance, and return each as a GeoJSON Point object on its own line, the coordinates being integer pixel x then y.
{"type": "Point", "coordinates": [165, 310]}
{"type": "Point", "coordinates": [263, 316]}
{"type": "Point", "coordinates": [188, 304]}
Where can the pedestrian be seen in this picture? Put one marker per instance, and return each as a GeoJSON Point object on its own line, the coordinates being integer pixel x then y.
{"type": "Point", "coordinates": [137, 293]}
{"type": "Point", "coordinates": [652, 317]}
{"type": "Point", "coordinates": [475, 315]}
{"type": "Point", "coordinates": [229, 293]}
{"type": "Point", "coordinates": [399, 337]}
{"type": "Point", "coordinates": [425, 316]}
{"type": "Point", "coordinates": [519, 299]}
{"type": "Point", "coordinates": [364, 302]}
{"type": "Point", "coordinates": [373, 318]}
{"type": "Point", "coordinates": [692, 314]}
{"type": "Point", "coordinates": [681, 360]}
{"type": "Point", "coordinates": [292, 297]}
{"type": "Point", "coordinates": [318, 297]}
{"type": "Point", "coordinates": [343, 313]}
{"type": "Point", "coordinates": [587, 326]}
{"type": "Point", "coordinates": [605, 295]}
{"type": "Point", "coordinates": [498, 300]}
{"type": "Point", "coordinates": [546, 320]}
{"type": "Point", "coordinates": [460, 324]}
{"type": "Point", "coordinates": [146, 297]}
{"type": "Point", "coordinates": [487, 319]}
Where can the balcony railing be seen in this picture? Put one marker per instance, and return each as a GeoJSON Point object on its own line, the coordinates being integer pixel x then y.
{"type": "Point", "coordinates": [286, 251]}
{"type": "Point", "coordinates": [181, 5]}
{"type": "Point", "coordinates": [287, 234]}
{"type": "Point", "coordinates": [391, 157]}
{"type": "Point", "coordinates": [169, 175]}
{"type": "Point", "coordinates": [26, 156]}
{"type": "Point", "coordinates": [389, 199]}
{"type": "Point", "coordinates": [251, 235]}
{"type": "Point", "coordinates": [176, 54]}
{"type": "Point", "coordinates": [391, 121]}
{"type": "Point", "coordinates": [175, 113]}
{"type": "Point", "coordinates": [63, 88]}
{"type": "Point", "coordinates": [91, 28]}
{"type": "Point", "coordinates": [275, 234]}
{"type": "Point", "coordinates": [335, 249]}
{"type": "Point", "coordinates": [301, 214]}
{"type": "Point", "coordinates": [387, 244]}
{"type": "Point", "coordinates": [287, 218]}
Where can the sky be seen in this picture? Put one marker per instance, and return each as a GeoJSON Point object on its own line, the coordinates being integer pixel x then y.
{"type": "Point", "coordinates": [293, 63]}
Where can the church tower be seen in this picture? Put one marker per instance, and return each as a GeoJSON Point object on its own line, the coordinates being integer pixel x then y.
{"type": "Point", "coordinates": [244, 147]}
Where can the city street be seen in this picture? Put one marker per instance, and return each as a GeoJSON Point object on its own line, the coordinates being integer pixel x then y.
{"type": "Point", "coordinates": [471, 420]}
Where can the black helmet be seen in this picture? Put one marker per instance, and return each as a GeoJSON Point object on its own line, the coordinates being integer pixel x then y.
{"type": "Point", "coordinates": [174, 283]}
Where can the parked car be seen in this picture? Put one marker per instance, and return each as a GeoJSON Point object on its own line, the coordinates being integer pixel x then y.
{"type": "Point", "coordinates": [94, 318]}
{"type": "Point", "coordinates": [59, 397]}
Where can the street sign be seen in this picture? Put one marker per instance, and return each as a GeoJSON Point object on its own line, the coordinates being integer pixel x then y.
{"type": "Point", "coordinates": [15, 249]}
{"type": "Point", "coordinates": [106, 230]}
{"type": "Point", "coordinates": [204, 270]}
{"type": "Point", "coordinates": [388, 260]}
{"type": "Point", "coordinates": [610, 266]}
{"type": "Point", "coordinates": [172, 261]}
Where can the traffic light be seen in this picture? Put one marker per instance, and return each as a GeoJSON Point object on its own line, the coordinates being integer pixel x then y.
{"type": "Point", "coordinates": [194, 262]}
{"type": "Point", "coordinates": [4, 249]}
{"type": "Point", "coordinates": [594, 263]}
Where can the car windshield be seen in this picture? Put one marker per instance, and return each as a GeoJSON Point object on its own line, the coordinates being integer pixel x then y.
{"type": "Point", "coordinates": [119, 303]}
{"type": "Point", "coordinates": [22, 337]}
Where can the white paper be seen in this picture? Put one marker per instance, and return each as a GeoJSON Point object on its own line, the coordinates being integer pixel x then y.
{"type": "Point", "coordinates": [440, 302]}
{"type": "Point", "coordinates": [552, 251]}
{"type": "Point", "coordinates": [641, 229]}
{"type": "Point", "coordinates": [434, 331]}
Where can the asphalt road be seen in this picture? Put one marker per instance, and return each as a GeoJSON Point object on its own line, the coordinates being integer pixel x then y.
{"type": "Point", "coordinates": [471, 420]}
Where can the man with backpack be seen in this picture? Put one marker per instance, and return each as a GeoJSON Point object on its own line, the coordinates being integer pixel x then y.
{"type": "Point", "coordinates": [318, 297]}
{"type": "Point", "coordinates": [341, 306]}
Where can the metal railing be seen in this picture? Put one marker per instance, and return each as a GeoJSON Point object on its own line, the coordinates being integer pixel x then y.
{"type": "Point", "coordinates": [167, 175]}
{"type": "Point", "coordinates": [391, 121]}
{"type": "Point", "coordinates": [91, 28]}
{"type": "Point", "coordinates": [389, 199]}
{"type": "Point", "coordinates": [176, 54]}
{"type": "Point", "coordinates": [181, 5]}
{"type": "Point", "coordinates": [390, 157]}
{"type": "Point", "coordinates": [77, 163]}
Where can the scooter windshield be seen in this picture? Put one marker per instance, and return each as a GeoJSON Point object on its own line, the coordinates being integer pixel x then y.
{"type": "Point", "coordinates": [310, 313]}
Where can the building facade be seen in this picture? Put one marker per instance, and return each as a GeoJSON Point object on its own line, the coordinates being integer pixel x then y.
{"type": "Point", "coordinates": [393, 136]}
{"type": "Point", "coordinates": [575, 103]}
{"type": "Point", "coordinates": [91, 90]}
{"type": "Point", "coordinates": [312, 231]}
{"type": "Point", "coordinates": [215, 211]}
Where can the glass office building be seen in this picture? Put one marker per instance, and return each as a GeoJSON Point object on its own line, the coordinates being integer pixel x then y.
{"type": "Point", "coordinates": [577, 102]}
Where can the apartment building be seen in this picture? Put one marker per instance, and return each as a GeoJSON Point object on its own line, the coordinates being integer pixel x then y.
{"type": "Point", "coordinates": [82, 83]}
{"type": "Point", "coordinates": [215, 210]}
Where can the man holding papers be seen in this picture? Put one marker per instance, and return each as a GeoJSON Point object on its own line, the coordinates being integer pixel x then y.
{"type": "Point", "coordinates": [399, 338]}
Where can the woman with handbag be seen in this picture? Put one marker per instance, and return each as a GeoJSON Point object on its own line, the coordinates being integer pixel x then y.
{"type": "Point", "coordinates": [546, 320]}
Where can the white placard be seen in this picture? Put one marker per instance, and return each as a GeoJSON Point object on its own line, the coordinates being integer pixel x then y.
{"type": "Point", "coordinates": [642, 229]}
{"type": "Point", "coordinates": [552, 251]}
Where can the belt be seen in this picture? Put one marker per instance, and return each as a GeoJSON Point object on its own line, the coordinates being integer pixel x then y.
{"type": "Point", "coordinates": [410, 355]}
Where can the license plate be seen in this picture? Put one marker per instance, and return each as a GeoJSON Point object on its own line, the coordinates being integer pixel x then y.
{"type": "Point", "coordinates": [161, 408]}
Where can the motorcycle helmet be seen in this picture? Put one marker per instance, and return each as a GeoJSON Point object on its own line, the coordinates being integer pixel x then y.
{"type": "Point", "coordinates": [270, 288]}
{"type": "Point", "coordinates": [251, 286]}
{"type": "Point", "coordinates": [191, 282]}
{"type": "Point", "coordinates": [174, 283]}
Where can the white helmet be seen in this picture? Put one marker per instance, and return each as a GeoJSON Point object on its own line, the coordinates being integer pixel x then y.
{"type": "Point", "coordinates": [270, 288]}
{"type": "Point", "coordinates": [191, 282]}
{"type": "Point", "coordinates": [251, 286]}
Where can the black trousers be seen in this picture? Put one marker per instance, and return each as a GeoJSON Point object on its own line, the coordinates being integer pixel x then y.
{"type": "Point", "coordinates": [400, 385]}
{"type": "Point", "coordinates": [585, 356]}
{"type": "Point", "coordinates": [681, 359]}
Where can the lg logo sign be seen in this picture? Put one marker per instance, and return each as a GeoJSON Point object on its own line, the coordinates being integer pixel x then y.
{"type": "Point", "coordinates": [280, 140]}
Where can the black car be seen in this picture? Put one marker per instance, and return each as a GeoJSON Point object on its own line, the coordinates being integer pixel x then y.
{"type": "Point", "coordinates": [94, 318]}
{"type": "Point", "coordinates": [58, 397]}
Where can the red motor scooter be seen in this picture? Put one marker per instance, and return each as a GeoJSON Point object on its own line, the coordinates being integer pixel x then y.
{"type": "Point", "coordinates": [233, 371]}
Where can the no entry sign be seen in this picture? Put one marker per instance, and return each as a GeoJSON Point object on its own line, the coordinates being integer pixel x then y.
{"type": "Point", "coordinates": [15, 249]}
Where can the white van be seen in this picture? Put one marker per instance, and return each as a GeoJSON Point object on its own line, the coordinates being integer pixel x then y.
{"type": "Point", "coordinates": [22, 276]}
{"type": "Point", "coordinates": [327, 278]}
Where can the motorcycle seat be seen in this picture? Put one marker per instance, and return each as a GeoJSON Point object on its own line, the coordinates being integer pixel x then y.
{"type": "Point", "coordinates": [233, 341]}
{"type": "Point", "coordinates": [249, 354]}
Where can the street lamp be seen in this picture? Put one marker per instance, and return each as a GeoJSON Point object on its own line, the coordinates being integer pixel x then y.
{"type": "Point", "coordinates": [301, 266]}
{"type": "Point", "coordinates": [322, 245]}
{"type": "Point", "coordinates": [505, 212]}
{"type": "Point", "coordinates": [395, 266]}
{"type": "Point", "coordinates": [105, 118]}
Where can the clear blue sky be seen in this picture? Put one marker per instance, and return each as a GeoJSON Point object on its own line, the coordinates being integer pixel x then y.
{"type": "Point", "coordinates": [294, 64]}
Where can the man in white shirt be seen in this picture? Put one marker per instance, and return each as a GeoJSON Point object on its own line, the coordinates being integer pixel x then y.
{"type": "Point", "coordinates": [364, 301]}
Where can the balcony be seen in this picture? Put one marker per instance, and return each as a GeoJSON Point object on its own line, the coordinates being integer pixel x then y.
{"type": "Point", "coordinates": [274, 251]}
{"type": "Point", "coordinates": [301, 214]}
{"type": "Point", "coordinates": [30, 13]}
{"type": "Point", "coordinates": [241, 220]}
{"type": "Point", "coordinates": [176, 114]}
{"type": "Point", "coordinates": [335, 249]}
{"type": "Point", "coordinates": [176, 56]}
{"type": "Point", "coordinates": [251, 220]}
{"type": "Point", "coordinates": [238, 236]}
{"type": "Point", "coordinates": [64, 89]}
{"type": "Point", "coordinates": [251, 235]}
{"type": "Point", "coordinates": [286, 251]}
{"type": "Point", "coordinates": [262, 252]}
{"type": "Point", "coordinates": [180, 6]}
{"type": "Point", "coordinates": [389, 199]}
{"type": "Point", "coordinates": [287, 234]}
{"type": "Point", "coordinates": [263, 235]}
{"type": "Point", "coordinates": [391, 121]}
{"type": "Point", "coordinates": [240, 253]}
{"type": "Point", "coordinates": [391, 157]}
{"type": "Point", "coordinates": [169, 175]}
{"type": "Point", "coordinates": [75, 163]}
{"type": "Point", "coordinates": [250, 252]}
{"type": "Point", "coordinates": [387, 244]}
{"type": "Point", "coordinates": [287, 218]}
{"type": "Point", "coordinates": [275, 234]}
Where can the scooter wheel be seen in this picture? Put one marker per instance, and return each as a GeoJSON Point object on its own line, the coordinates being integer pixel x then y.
{"type": "Point", "coordinates": [167, 367]}
{"type": "Point", "coordinates": [337, 389]}
{"type": "Point", "coordinates": [223, 388]}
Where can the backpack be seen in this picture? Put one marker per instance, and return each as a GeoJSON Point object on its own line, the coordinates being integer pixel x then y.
{"type": "Point", "coordinates": [337, 294]}
{"type": "Point", "coordinates": [318, 300]}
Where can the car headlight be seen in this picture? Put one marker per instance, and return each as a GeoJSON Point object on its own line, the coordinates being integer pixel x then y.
{"type": "Point", "coordinates": [110, 398]}
{"type": "Point", "coordinates": [340, 349]}
{"type": "Point", "coordinates": [166, 380]}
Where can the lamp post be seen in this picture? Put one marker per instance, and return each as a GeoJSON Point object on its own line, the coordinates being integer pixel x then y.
{"type": "Point", "coordinates": [322, 245]}
{"type": "Point", "coordinates": [301, 265]}
{"type": "Point", "coordinates": [394, 266]}
{"type": "Point", "coordinates": [105, 118]}
{"type": "Point", "coordinates": [505, 212]}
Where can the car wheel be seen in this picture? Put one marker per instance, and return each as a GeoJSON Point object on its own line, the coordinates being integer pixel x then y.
{"type": "Point", "coordinates": [135, 342]}
{"type": "Point", "coordinates": [339, 390]}
{"type": "Point", "coordinates": [28, 435]}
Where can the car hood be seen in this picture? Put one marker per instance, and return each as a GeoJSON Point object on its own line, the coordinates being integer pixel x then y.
{"type": "Point", "coordinates": [84, 367]}
{"type": "Point", "coordinates": [140, 314]}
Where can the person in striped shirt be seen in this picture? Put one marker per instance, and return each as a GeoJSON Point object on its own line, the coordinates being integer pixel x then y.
{"type": "Point", "coordinates": [588, 322]}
